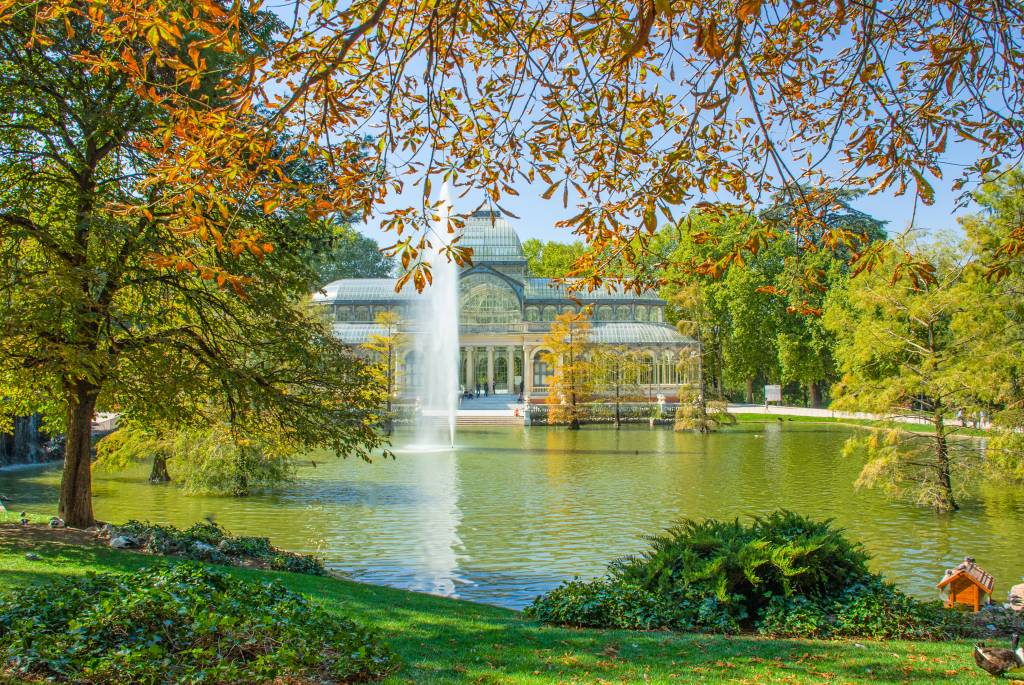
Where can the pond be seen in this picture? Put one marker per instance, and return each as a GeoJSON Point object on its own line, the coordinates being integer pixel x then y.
{"type": "Point", "coordinates": [516, 510]}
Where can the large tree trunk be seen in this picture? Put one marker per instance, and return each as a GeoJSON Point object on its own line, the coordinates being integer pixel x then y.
{"type": "Point", "coordinates": [76, 484]}
{"type": "Point", "coordinates": [750, 391]}
{"type": "Point", "coordinates": [815, 394]}
{"type": "Point", "coordinates": [159, 472]}
{"type": "Point", "coordinates": [945, 500]}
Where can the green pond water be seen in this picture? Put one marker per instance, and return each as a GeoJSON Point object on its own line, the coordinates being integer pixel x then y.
{"type": "Point", "coordinates": [513, 511]}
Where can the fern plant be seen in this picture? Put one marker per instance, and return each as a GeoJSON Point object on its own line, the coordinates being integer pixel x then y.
{"type": "Point", "coordinates": [744, 565]}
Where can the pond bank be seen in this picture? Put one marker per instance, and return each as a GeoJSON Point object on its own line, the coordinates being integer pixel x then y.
{"type": "Point", "coordinates": [447, 642]}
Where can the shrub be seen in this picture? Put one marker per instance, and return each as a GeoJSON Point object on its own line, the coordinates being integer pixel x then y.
{"type": "Point", "coordinates": [210, 542]}
{"type": "Point", "coordinates": [783, 574]}
{"type": "Point", "coordinates": [180, 624]}
{"type": "Point", "coordinates": [599, 603]}
{"type": "Point", "coordinates": [745, 566]}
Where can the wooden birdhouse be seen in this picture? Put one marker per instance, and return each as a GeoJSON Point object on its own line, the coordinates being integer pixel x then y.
{"type": "Point", "coordinates": [967, 584]}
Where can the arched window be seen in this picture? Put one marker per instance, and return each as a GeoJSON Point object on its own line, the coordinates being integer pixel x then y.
{"type": "Point", "coordinates": [667, 370]}
{"type": "Point", "coordinates": [656, 314]}
{"type": "Point", "coordinates": [646, 368]}
{"type": "Point", "coordinates": [622, 313]}
{"type": "Point", "coordinates": [542, 371]}
{"type": "Point", "coordinates": [550, 313]}
{"type": "Point", "coordinates": [343, 313]}
{"type": "Point", "coordinates": [604, 313]}
{"type": "Point", "coordinates": [362, 313]}
{"type": "Point", "coordinates": [486, 299]}
{"type": "Point", "coordinates": [568, 309]}
{"type": "Point", "coordinates": [641, 312]}
{"type": "Point", "coordinates": [532, 314]}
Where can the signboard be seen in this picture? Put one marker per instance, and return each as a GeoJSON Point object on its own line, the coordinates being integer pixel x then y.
{"type": "Point", "coordinates": [772, 393]}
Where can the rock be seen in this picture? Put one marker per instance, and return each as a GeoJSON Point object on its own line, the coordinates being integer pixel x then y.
{"type": "Point", "coordinates": [1017, 597]}
{"type": "Point", "coordinates": [32, 556]}
{"type": "Point", "coordinates": [123, 542]}
{"type": "Point", "coordinates": [203, 550]}
{"type": "Point", "coordinates": [56, 522]}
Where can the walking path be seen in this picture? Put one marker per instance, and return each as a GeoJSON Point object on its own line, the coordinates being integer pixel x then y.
{"type": "Point", "coordinates": [833, 414]}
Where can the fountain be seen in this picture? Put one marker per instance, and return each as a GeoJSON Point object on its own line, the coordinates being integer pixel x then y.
{"type": "Point", "coordinates": [436, 341]}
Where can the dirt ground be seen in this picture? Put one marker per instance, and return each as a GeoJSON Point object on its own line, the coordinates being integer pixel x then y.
{"type": "Point", "coordinates": [40, 533]}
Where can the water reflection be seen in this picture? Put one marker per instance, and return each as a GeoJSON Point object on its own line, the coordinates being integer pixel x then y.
{"type": "Point", "coordinates": [514, 510]}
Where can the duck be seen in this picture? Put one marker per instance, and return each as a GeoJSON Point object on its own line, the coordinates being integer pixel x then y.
{"type": "Point", "coordinates": [998, 660]}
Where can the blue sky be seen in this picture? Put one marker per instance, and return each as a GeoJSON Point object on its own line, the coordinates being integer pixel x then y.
{"type": "Point", "coordinates": [537, 217]}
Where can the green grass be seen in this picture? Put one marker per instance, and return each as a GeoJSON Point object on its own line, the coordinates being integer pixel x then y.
{"type": "Point", "coordinates": [745, 418]}
{"type": "Point", "coordinates": [447, 641]}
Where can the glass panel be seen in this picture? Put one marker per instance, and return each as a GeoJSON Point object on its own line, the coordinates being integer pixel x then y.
{"type": "Point", "coordinates": [487, 299]}
{"type": "Point", "coordinates": [362, 313]}
{"type": "Point", "coordinates": [542, 371]}
{"type": "Point", "coordinates": [549, 313]}
{"type": "Point", "coordinates": [604, 313]}
{"type": "Point", "coordinates": [410, 375]}
{"type": "Point", "coordinates": [532, 314]}
{"type": "Point", "coordinates": [622, 313]}
{"type": "Point", "coordinates": [656, 314]}
{"type": "Point", "coordinates": [641, 312]}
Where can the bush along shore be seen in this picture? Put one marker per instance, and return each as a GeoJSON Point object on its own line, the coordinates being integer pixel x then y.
{"type": "Point", "coordinates": [208, 542]}
{"type": "Point", "coordinates": [782, 575]}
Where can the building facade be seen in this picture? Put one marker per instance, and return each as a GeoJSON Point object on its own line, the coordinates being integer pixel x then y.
{"type": "Point", "coordinates": [505, 313]}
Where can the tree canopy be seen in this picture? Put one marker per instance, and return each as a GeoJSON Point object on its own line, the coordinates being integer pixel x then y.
{"type": "Point", "coordinates": [629, 110]}
{"type": "Point", "coordinates": [95, 313]}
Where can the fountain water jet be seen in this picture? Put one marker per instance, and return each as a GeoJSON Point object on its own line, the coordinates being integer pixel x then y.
{"type": "Point", "coordinates": [436, 342]}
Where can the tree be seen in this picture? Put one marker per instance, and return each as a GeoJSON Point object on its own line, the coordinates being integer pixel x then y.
{"type": "Point", "coordinates": [205, 460]}
{"type": "Point", "coordinates": [112, 298]}
{"type": "Point", "coordinates": [647, 105]}
{"type": "Point", "coordinates": [992, 317]}
{"type": "Point", "coordinates": [616, 371]}
{"type": "Point", "coordinates": [901, 358]}
{"type": "Point", "coordinates": [551, 259]}
{"type": "Point", "coordinates": [696, 413]}
{"type": "Point", "coordinates": [736, 315]}
{"type": "Point", "coordinates": [567, 349]}
{"type": "Point", "coordinates": [385, 347]}
{"type": "Point", "coordinates": [810, 271]}
{"type": "Point", "coordinates": [349, 254]}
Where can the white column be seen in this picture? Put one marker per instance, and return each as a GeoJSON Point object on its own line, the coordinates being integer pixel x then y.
{"type": "Point", "coordinates": [490, 369]}
{"type": "Point", "coordinates": [470, 370]}
{"type": "Point", "coordinates": [527, 370]}
{"type": "Point", "coordinates": [510, 364]}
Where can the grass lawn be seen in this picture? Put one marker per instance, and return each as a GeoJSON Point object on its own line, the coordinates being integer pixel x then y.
{"type": "Point", "coordinates": [954, 430]}
{"type": "Point", "coordinates": [448, 641]}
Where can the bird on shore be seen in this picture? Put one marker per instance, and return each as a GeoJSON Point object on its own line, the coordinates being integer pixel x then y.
{"type": "Point", "coordinates": [999, 660]}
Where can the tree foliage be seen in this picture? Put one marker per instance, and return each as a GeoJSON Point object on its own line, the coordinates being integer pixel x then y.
{"type": "Point", "coordinates": [95, 313]}
{"type": "Point", "coordinates": [629, 110]}
{"type": "Point", "coordinates": [567, 350]}
{"type": "Point", "coordinates": [551, 259]}
{"type": "Point", "coordinates": [901, 358]}
{"type": "Point", "coordinates": [385, 348]}
{"type": "Point", "coordinates": [347, 253]}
